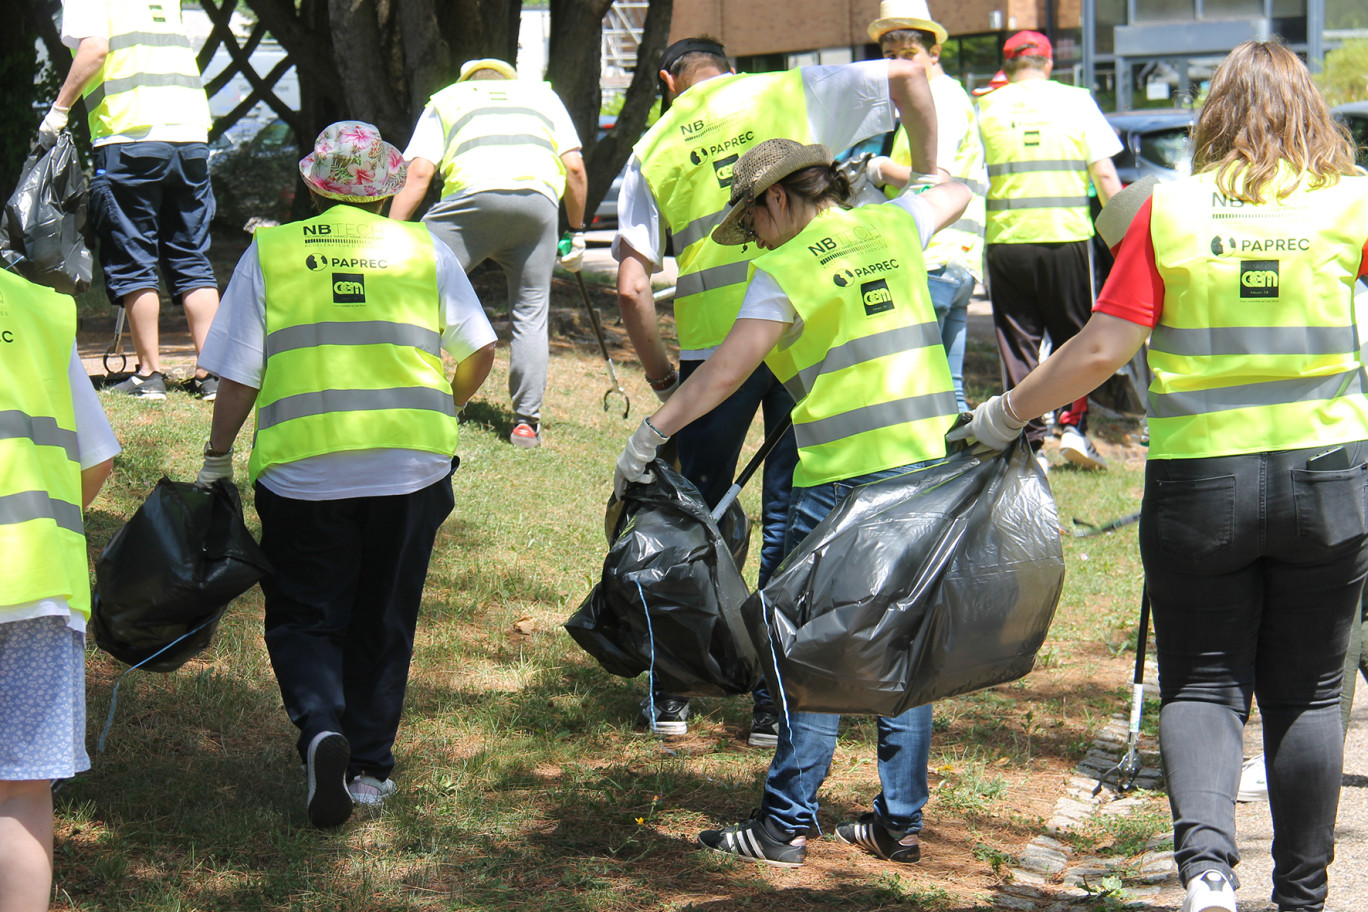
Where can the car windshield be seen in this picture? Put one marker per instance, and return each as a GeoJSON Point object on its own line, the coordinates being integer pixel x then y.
{"type": "Point", "coordinates": [1168, 148]}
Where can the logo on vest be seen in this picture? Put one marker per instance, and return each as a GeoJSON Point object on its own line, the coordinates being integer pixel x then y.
{"type": "Point", "coordinates": [158, 14]}
{"type": "Point", "coordinates": [876, 296]}
{"type": "Point", "coordinates": [1258, 278]}
{"type": "Point", "coordinates": [843, 278]}
{"type": "Point", "coordinates": [349, 288]}
{"type": "Point", "coordinates": [723, 168]}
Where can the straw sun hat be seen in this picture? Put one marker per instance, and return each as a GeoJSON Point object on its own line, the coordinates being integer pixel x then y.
{"type": "Point", "coordinates": [757, 171]}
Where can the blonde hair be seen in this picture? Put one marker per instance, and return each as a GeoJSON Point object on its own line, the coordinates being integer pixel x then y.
{"type": "Point", "coordinates": [1262, 110]}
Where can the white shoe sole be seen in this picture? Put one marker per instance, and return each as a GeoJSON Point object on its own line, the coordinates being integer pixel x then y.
{"type": "Point", "coordinates": [761, 739]}
{"type": "Point", "coordinates": [1081, 458]}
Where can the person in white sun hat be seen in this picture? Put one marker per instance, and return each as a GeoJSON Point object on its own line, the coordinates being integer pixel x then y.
{"type": "Point", "coordinates": [333, 329]}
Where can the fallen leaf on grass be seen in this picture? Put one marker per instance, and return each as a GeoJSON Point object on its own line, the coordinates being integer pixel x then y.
{"type": "Point", "coordinates": [525, 625]}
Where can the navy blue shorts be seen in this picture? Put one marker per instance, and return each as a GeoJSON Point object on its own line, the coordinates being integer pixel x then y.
{"type": "Point", "coordinates": [151, 203]}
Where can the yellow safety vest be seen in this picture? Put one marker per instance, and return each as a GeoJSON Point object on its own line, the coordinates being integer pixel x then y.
{"type": "Point", "coordinates": [686, 159]}
{"type": "Point", "coordinates": [1258, 348]}
{"type": "Point", "coordinates": [41, 533]}
{"type": "Point", "coordinates": [962, 241]}
{"type": "Point", "coordinates": [1033, 138]}
{"type": "Point", "coordinates": [498, 131]}
{"type": "Point", "coordinates": [353, 340]}
{"type": "Point", "coordinates": [868, 374]}
{"type": "Point", "coordinates": [149, 77]}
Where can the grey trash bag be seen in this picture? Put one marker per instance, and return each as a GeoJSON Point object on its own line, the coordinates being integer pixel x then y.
{"type": "Point", "coordinates": [670, 554]}
{"type": "Point", "coordinates": [40, 234]}
{"type": "Point", "coordinates": [916, 588]}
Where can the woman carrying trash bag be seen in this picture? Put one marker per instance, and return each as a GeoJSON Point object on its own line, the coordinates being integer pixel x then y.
{"type": "Point", "coordinates": [1252, 527]}
{"type": "Point", "coordinates": [838, 309]}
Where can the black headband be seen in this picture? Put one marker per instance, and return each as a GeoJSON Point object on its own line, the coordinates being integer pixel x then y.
{"type": "Point", "coordinates": [678, 50]}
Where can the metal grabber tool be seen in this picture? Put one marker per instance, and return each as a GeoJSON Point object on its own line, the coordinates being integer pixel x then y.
{"type": "Point", "coordinates": [616, 388]}
{"type": "Point", "coordinates": [1129, 767]}
{"type": "Point", "coordinates": [116, 347]}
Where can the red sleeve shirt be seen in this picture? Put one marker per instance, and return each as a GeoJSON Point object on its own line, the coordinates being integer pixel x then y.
{"type": "Point", "coordinates": [1135, 290]}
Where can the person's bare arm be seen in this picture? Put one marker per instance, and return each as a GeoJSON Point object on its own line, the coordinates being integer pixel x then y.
{"type": "Point", "coordinates": [637, 304]}
{"type": "Point", "coordinates": [407, 200]}
{"type": "Point", "coordinates": [947, 201]}
{"type": "Point", "coordinates": [92, 479]}
{"type": "Point", "coordinates": [232, 405]}
{"type": "Point", "coordinates": [90, 56]}
{"type": "Point", "coordinates": [576, 189]}
{"type": "Point", "coordinates": [1079, 366]}
{"type": "Point", "coordinates": [721, 375]}
{"type": "Point", "coordinates": [1105, 179]}
{"type": "Point", "coordinates": [911, 95]}
{"type": "Point", "coordinates": [470, 375]}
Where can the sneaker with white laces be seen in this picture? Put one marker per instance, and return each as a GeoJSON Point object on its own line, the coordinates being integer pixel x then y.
{"type": "Point", "coordinates": [368, 791]}
{"type": "Point", "coordinates": [1078, 449]}
{"type": "Point", "coordinates": [870, 834]}
{"type": "Point", "coordinates": [759, 840]}
{"type": "Point", "coordinates": [325, 763]}
{"type": "Point", "coordinates": [1253, 780]}
{"type": "Point", "coordinates": [671, 715]}
{"type": "Point", "coordinates": [151, 387]}
{"type": "Point", "coordinates": [1209, 891]}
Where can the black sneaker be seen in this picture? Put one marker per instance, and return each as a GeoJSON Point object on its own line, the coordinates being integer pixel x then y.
{"type": "Point", "coordinates": [151, 387]}
{"type": "Point", "coordinates": [672, 715]}
{"type": "Point", "coordinates": [758, 839]}
{"type": "Point", "coordinates": [330, 803]}
{"type": "Point", "coordinates": [876, 839]}
{"type": "Point", "coordinates": [764, 730]}
{"type": "Point", "coordinates": [205, 387]}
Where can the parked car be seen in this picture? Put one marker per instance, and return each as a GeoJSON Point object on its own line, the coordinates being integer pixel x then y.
{"type": "Point", "coordinates": [1354, 115]}
{"type": "Point", "coordinates": [605, 217]}
{"type": "Point", "coordinates": [1153, 142]}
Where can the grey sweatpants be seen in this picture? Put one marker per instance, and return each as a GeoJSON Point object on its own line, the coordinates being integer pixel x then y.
{"type": "Point", "coordinates": [517, 230]}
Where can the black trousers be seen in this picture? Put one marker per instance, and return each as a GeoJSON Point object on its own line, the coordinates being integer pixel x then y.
{"type": "Point", "coordinates": [1037, 288]}
{"type": "Point", "coordinates": [341, 609]}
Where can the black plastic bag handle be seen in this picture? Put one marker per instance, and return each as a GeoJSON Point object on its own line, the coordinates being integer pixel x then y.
{"type": "Point", "coordinates": [751, 468]}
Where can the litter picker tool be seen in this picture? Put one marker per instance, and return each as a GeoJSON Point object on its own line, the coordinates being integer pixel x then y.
{"type": "Point", "coordinates": [603, 347]}
{"type": "Point", "coordinates": [116, 347]}
{"type": "Point", "coordinates": [770, 442]}
{"type": "Point", "coordinates": [1090, 530]}
{"type": "Point", "coordinates": [1129, 767]}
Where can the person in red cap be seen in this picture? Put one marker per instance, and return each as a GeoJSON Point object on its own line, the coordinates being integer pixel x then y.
{"type": "Point", "coordinates": [1043, 141]}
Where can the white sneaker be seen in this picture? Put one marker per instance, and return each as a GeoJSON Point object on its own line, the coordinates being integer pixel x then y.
{"type": "Point", "coordinates": [1209, 892]}
{"type": "Point", "coordinates": [370, 792]}
{"type": "Point", "coordinates": [1043, 461]}
{"type": "Point", "coordinates": [1079, 450]}
{"type": "Point", "coordinates": [1253, 780]}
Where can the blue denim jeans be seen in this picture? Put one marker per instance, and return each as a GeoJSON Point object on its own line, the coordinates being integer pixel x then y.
{"type": "Point", "coordinates": [1254, 566]}
{"type": "Point", "coordinates": [808, 740]}
{"type": "Point", "coordinates": [951, 287]}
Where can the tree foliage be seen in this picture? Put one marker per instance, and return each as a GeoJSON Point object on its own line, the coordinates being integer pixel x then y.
{"type": "Point", "coordinates": [1345, 77]}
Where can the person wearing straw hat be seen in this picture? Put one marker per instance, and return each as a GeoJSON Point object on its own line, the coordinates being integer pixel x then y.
{"type": "Point", "coordinates": [507, 152]}
{"type": "Point", "coordinates": [1043, 141]}
{"type": "Point", "coordinates": [852, 334]}
{"type": "Point", "coordinates": [954, 261]}
{"type": "Point", "coordinates": [332, 328]}
{"type": "Point", "coordinates": [679, 177]}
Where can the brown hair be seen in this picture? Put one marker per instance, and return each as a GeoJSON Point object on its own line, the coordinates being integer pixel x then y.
{"type": "Point", "coordinates": [922, 39]}
{"type": "Point", "coordinates": [1263, 109]}
{"type": "Point", "coordinates": [817, 183]}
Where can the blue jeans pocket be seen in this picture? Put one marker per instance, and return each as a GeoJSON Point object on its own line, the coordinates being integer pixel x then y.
{"type": "Point", "coordinates": [1195, 517]}
{"type": "Point", "coordinates": [1330, 506]}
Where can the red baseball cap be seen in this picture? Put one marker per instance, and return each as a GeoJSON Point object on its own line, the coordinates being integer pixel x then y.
{"type": "Point", "coordinates": [1023, 43]}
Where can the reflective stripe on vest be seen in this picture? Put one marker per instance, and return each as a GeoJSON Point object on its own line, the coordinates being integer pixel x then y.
{"type": "Point", "coordinates": [499, 137]}
{"type": "Point", "coordinates": [962, 241]}
{"type": "Point", "coordinates": [1257, 348]}
{"type": "Point", "coordinates": [351, 298]}
{"type": "Point", "coordinates": [869, 377]}
{"type": "Point", "coordinates": [41, 534]}
{"type": "Point", "coordinates": [150, 76]}
{"type": "Point", "coordinates": [1034, 143]}
{"type": "Point", "coordinates": [686, 160]}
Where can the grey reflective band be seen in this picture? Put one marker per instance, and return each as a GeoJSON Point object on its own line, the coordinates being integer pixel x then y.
{"type": "Point", "coordinates": [794, 385]}
{"type": "Point", "coordinates": [302, 405]}
{"type": "Point", "coordinates": [1254, 340]}
{"type": "Point", "coordinates": [1253, 395]}
{"type": "Point", "coordinates": [874, 417]}
{"type": "Point", "coordinates": [140, 81]}
{"type": "Point", "coordinates": [1027, 167]}
{"type": "Point", "coordinates": [30, 505]}
{"type": "Point", "coordinates": [869, 348]}
{"type": "Point", "coordinates": [148, 39]}
{"type": "Point", "coordinates": [503, 139]}
{"type": "Point", "coordinates": [368, 332]}
{"type": "Point", "coordinates": [698, 229]}
{"type": "Point", "coordinates": [708, 279]}
{"type": "Point", "coordinates": [497, 111]}
{"type": "Point", "coordinates": [968, 226]}
{"type": "Point", "coordinates": [1037, 202]}
{"type": "Point", "coordinates": [978, 188]}
{"type": "Point", "coordinates": [43, 431]}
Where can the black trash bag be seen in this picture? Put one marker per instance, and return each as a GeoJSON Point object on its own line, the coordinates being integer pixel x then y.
{"type": "Point", "coordinates": [670, 545]}
{"type": "Point", "coordinates": [40, 234]}
{"type": "Point", "coordinates": [1126, 392]}
{"type": "Point", "coordinates": [175, 565]}
{"type": "Point", "coordinates": [735, 527]}
{"type": "Point", "coordinates": [932, 584]}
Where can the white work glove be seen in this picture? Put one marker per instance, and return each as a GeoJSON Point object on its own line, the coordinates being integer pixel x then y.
{"type": "Point", "coordinates": [55, 122]}
{"type": "Point", "coordinates": [214, 468]}
{"type": "Point", "coordinates": [572, 254]}
{"type": "Point", "coordinates": [636, 456]}
{"type": "Point", "coordinates": [991, 426]}
{"type": "Point", "coordinates": [874, 169]}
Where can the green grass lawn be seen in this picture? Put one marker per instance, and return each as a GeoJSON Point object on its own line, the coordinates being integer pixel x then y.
{"type": "Point", "coordinates": [522, 783]}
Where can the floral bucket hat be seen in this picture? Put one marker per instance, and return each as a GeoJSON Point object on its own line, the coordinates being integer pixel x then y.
{"type": "Point", "coordinates": [351, 163]}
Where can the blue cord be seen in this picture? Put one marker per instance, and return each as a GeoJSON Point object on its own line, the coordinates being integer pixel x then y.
{"type": "Point", "coordinates": [114, 696]}
{"type": "Point", "coordinates": [650, 681]}
{"type": "Point", "coordinates": [787, 729]}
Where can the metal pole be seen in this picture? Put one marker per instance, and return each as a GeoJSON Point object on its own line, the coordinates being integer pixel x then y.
{"type": "Point", "coordinates": [1089, 44]}
{"type": "Point", "coordinates": [1315, 35]}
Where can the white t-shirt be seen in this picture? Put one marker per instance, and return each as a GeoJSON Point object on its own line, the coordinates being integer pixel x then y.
{"type": "Point", "coordinates": [90, 19]}
{"type": "Point", "coordinates": [95, 442]}
{"type": "Point", "coordinates": [236, 350]}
